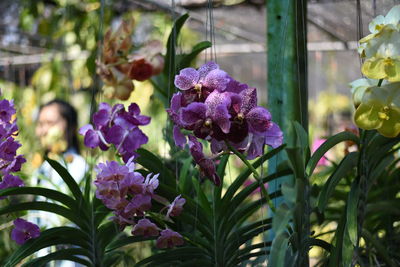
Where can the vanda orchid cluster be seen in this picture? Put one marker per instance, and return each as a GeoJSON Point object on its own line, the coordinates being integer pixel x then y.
{"type": "Point", "coordinates": [11, 162]}
{"type": "Point", "coordinates": [217, 108]}
{"type": "Point", "coordinates": [118, 127]}
{"type": "Point", "coordinates": [377, 98]}
{"type": "Point", "coordinates": [120, 65]}
{"type": "Point", "coordinates": [126, 192]}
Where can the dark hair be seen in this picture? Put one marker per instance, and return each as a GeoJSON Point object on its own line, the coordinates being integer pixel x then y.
{"type": "Point", "coordinates": [69, 114]}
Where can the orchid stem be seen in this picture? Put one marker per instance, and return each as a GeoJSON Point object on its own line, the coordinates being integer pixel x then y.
{"type": "Point", "coordinates": [380, 82]}
{"type": "Point", "coordinates": [255, 174]}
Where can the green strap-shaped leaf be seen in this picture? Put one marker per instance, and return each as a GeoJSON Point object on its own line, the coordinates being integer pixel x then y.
{"type": "Point", "coordinates": [346, 165]}
{"type": "Point", "coordinates": [327, 145]}
{"type": "Point", "coordinates": [351, 212]}
{"type": "Point", "coordinates": [54, 236]}
{"type": "Point", "coordinates": [68, 179]}
{"type": "Point", "coordinates": [221, 173]}
{"type": "Point", "coordinates": [152, 163]}
{"type": "Point", "coordinates": [281, 218]}
{"type": "Point", "coordinates": [177, 254]}
{"type": "Point", "coordinates": [231, 191]}
{"type": "Point", "coordinates": [125, 240]}
{"type": "Point", "coordinates": [185, 179]}
{"type": "Point", "coordinates": [65, 254]}
{"type": "Point", "coordinates": [186, 60]}
{"type": "Point", "coordinates": [296, 161]}
{"type": "Point", "coordinates": [278, 250]}
{"type": "Point", "coordinates": [319, 243]}
{"type": "Point", "coordinates": [266, 223]}
{"type": "Point", "coordinates": [44, 192]}
{"type": "Point", "coordinates": [229, 207]}
{"type": "Point", "coordinates": [336, 254]}
{"type": "Point", "coordinates": [50, 207]}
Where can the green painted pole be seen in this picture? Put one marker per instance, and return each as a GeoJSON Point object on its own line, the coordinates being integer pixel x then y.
{"type": "Point", "coordinates": [287, 73]}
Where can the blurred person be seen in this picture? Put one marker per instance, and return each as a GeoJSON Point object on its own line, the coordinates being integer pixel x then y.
{"type": "Point", "coordinates": [56, 129]}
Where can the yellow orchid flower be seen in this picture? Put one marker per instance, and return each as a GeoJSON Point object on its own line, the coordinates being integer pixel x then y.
{"type": "Point", "coordinates": [358, 88]}
{"type": "Point", "coordinates": [380, 110]}
{"type": "Point", "coordinates": [383, 54]}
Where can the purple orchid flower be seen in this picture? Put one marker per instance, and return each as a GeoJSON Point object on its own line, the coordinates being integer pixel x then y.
{"type": "Point", "coordinates": [272, 137]}
{"type": "Point", "coordinates": [7, 110]}
{"type": "Point", "coordinates": [207, 166]}
{"type": "Point", "coordinates": [146, 228]}
{"type": "Point", "coordinates": [198, 84]}
{"type": "Point", "coordinates": [169, 239]}
{"type": "Point", "coordinates": [8, 149]}
{"type": "Point", "coordinates": [23, 231]}
{"type": "Point", "coordinates": [10, 181]}
{"type": "Point", "coordinates": [176, 207]}
{"type": "Point", "coordinates": [114, 125]}
{"type": "Point", "coordinates": [203, 117]}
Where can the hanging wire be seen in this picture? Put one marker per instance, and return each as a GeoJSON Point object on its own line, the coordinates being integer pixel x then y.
{"type": "Point", "coordinates": [212, 31]}
{"type": "Point", "coordinates": [359, 28]}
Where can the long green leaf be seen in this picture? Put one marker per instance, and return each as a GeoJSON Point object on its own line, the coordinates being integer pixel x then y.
{"type": "Point", "coordinates": [278, 250]}
{"type": "Point", "coordinates": [44, 192]}
{"type": "Point", "coordinates": [281, 218]}
{"type": "Point", "coordinates": [173, 36]}
{"type": "Point", "coordinates": [46, 206]}
{"type": "Point", "coordinates": [351, 213]}
{"type": "Point", "coordinates": [177, 254]}
{"type": "Point", "coordinates": [185, 61]}
{"type": "Point", "coordinates": [346, 165]}
{"type": "Point", "coordinates": [54, 236]}
{"type": "Point", "coordinates": [327, 145]}
{"type": "Point", "coordinates": [126, 240]}
{"type": "Point", "coordinates": [233, 204]}
{"type": "Point", "coordinates": [152, 163]}
{"type": "Point", "coordinates": [65, 254]}
{"type": "Point", "coordinates": [231, 191]}
{"type": "Point", "coordinates": [68, 179]}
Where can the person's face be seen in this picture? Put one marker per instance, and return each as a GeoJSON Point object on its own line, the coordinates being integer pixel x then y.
{"type": "Point", "coordinates": [50, 119]}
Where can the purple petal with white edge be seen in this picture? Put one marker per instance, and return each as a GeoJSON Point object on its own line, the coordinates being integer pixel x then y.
{"type": "Point", "coordinates": [101, 118]}
{"type": "Point", "coordinates": [221, 118]}
{"type": "Point", "coordinates": [249, 100]}
{"type": "Point", "coordinates": [186, 79]}
{"type": "Point", "coordinates": [179, 137]}
{"type": "Point", "coordinates": [259, 120]}
{"type": "Point", "coordinates": [195, 112]}
{"type": "Point", "coordinates": [117, 108]}
{"type": "Point", "coordinates": [216, 80]}
{"type": "Point", "coordinates": [84, 129]}
{"type": "Point", "coordinates": [206, 68]}
{"type": "Point", "coordinates": [256, 147]}
{"type": "Point", "coordinates": [274, 136]}
{"type": "Point", "coordinates": [91, 139]}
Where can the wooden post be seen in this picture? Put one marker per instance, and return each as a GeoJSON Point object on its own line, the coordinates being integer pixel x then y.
{"type": "Point", "coordinates": [287, 73]}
